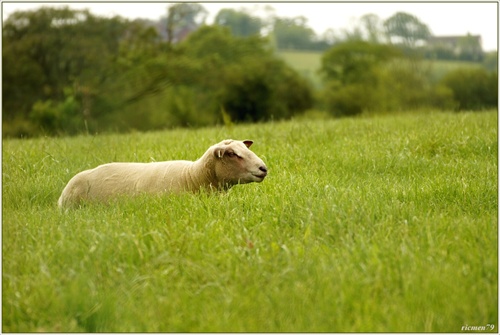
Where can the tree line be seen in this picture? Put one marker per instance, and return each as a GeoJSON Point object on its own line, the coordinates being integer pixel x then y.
{"type": "Point", "coordinates": [367, 77]}
{"type": "Point", "coordinates": [403, 29]}
{"type": "Point", "coordinates": [68, 71]}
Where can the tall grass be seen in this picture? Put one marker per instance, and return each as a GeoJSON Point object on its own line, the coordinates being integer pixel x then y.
{"type": "Point", "coordinates": [376, 224]}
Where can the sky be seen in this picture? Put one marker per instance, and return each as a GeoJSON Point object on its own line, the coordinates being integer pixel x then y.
{"type": "Point", "coordinates": [443, 18]}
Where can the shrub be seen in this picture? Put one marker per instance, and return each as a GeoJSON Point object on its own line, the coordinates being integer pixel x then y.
{"type": "Point", "coordinates": [346, 100]}
{"type": "Point", "coordinates": [52, 117]}
{"type": "Point", "coordinates": [354, 75]}
{"type": "Point", "coordinates": [246, 79]}
{"type": "Point", "coordinates": [377, 78]}
{"type": "Point", "coordinates": [262, 90]}
{"type": "Point", "coordinates": [473, 89]}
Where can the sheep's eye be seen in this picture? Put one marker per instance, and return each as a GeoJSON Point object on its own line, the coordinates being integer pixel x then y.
{"type": "Point", "coordinates": [233, 154]}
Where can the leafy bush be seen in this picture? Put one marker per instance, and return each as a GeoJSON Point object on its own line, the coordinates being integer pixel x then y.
{"type": "Point", "coordinates": [186, 106]}
{"type": "Point", "coordinates": [362, 76]}
{"type": "Point", "coordinates": [43, 57]}
{"type": "Point", "coordinates": [354, 75]}
{"type": "Point", "coordinates": [248, 81]}
{"type": "Point", "coordinates": [348, 100]}
{"type": "Point", "coordinates": [263, 90]}
{"type": "Point", "coordinates": [53, 116]}
{"type": "Point", "coordinates": [473, 89]}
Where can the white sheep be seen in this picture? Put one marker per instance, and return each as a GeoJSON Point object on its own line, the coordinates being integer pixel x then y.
{"type": "Point", "coordinates": [223, 165]}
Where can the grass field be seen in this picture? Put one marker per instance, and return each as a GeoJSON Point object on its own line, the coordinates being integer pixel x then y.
{"type": "Point", "coordinates": [307, 63]}
{"type": "Point", "coordinates": [374, 224]}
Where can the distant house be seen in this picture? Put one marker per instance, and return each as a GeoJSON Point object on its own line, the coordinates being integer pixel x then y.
{"type": "Point", "coordinates": [456, 43]}
{"type": "Point", "coordinates": [465, 47]}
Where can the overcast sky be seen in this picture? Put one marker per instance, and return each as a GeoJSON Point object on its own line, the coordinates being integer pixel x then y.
{"type": "Point", "coordinates": [444, 18]}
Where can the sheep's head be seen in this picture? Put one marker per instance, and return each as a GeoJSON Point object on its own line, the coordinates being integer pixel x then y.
{"type": "Point", "coordinates": [236, 164]}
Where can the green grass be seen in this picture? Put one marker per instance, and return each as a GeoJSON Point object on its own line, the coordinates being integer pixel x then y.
{"type": "Point", "coordinates": [307, 63]}
{"type": "Point", "coordinates": [374, 224]}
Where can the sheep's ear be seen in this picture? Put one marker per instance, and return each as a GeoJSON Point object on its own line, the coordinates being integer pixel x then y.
{"type": "Point", "coordinates": [248, 143]}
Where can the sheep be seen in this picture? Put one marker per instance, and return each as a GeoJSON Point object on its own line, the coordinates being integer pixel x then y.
{"type": "Point", "coordinates": [223, 165]}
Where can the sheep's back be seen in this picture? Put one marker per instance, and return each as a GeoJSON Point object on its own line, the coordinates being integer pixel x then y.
{"type": "Point", "coordinates": [115, 178]}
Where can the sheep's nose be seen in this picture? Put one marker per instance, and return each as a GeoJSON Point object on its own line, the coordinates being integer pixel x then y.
{"type": "Point", "coordinates": [263, 169]}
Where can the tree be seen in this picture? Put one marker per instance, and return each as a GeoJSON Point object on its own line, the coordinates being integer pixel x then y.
{"type": "Point", "coordinates": [373, 28]}
{"type": "Point", "coordinates": [50, 52]}
{"type": "Point", "coordinates": [355, 61]}
{"type": "Point", "coordinates": [293, 33]}
{"type": "Point", "coordinates": [406, 29]}
{"type": "Point", "coordinates": [66, 71]}
{"type": "Point", "coordinates": [244, 77]}
{"type": "Point", "coordinates": [183, 18]}
{"type": "Point", "coordinates": [367, 28]}
{"type": "Point", "coordinates": [361, 76]}
{"type": "Point", "coordinates": [241, 23]}
{"type": "Point", "coordinates": [264, 89]}
{"type": "Point", "coordinates": [353, 73]}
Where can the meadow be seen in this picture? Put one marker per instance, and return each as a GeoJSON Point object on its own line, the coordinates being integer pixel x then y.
{"type": "Point", "coordinates": [372, 224]}
{"type": "Point", "coordinates": [307, 63]}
